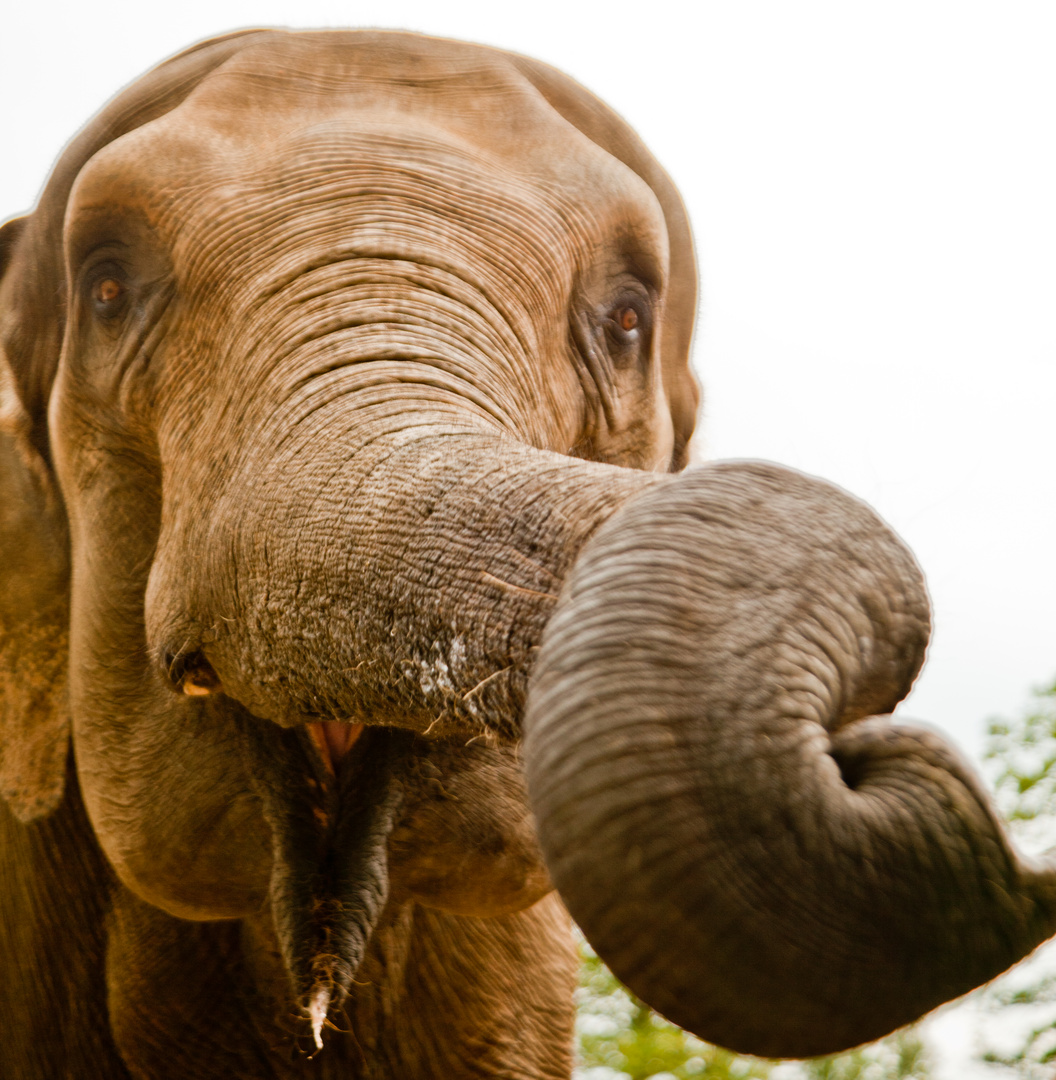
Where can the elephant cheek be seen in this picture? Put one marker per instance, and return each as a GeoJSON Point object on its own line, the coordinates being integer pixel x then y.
{"type": "Point", "coordinates": [219, 871]}
{"type": "Point", "coordinates": [467, 843]}
{"type": "Point", "coordinates": [498, 875]}
{"type": "Point", "coordinates": [173, 814]}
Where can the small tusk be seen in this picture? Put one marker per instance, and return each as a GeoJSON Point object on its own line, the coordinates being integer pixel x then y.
{"type": "Point", "coordinates": [194, 690]}
{"type": "Point", "coordinates": [317, 1010]}
{"type": "Point", "coordinates": [198, 677]}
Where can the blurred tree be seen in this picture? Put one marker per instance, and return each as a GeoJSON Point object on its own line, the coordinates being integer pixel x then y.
{"type": "Point", "coordinates": [1035, 1056]}
{"type": "Point", "coordinates": [620, 1037]}
{"type": "Point", "coordinates": [1023, 754]}
{"type": "Point", "coordinates": [902, 1056]}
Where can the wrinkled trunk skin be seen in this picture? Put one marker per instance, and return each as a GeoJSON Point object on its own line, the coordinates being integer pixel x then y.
{"type": "Point", "coordinates": [743, 836]}
{"type": "Point", "coordinates": [414, 591]}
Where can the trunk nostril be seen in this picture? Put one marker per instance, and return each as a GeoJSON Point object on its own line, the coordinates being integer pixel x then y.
{"type": "Point", "coordinates": [191, 674]}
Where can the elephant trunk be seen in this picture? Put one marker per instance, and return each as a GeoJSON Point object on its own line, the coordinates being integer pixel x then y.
{"type": "Point", "coordinates": [722, 803]}
{"type": "Point", "coordinates": [746, 841]}
{"type": "Point", "coordinates": [424, 614]}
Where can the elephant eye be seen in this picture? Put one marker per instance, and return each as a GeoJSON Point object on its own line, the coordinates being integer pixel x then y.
{"type": "Point", "coordinates": [627, 318]}
{"type": "Point", "coordinates": [108, 292]}
{"type": "Point", "coordinates": [627, 325]}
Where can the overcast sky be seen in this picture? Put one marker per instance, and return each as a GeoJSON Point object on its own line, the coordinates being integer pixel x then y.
{"type": "Point", "coordinates": [873, 189]}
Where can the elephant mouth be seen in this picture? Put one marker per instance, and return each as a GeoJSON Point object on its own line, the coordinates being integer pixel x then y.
{"type": "Point", "coordinates": [331, 793]}
{"type": "Point", "coordinates": [193, 675]}
{"type": "Point", "coordinates": [333, 739]}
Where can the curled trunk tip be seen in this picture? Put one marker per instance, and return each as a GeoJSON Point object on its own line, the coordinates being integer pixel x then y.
{"type": "Point", "coordinates": [751, 849]}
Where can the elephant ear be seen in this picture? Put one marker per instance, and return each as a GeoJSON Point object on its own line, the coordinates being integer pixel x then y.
{"type": "Point", "coordinates": [612, 133]}
{"type": "Point", "coordinates": [34, 573]}
{"type": "Point", "coordinates": [34, 545]}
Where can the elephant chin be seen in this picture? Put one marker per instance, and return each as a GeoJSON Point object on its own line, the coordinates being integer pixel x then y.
{"type": "Point", "coordinates": [751, 848]}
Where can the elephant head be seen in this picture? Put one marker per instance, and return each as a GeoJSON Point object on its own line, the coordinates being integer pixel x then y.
{"type": "Point", "coordinates": [345, 392]}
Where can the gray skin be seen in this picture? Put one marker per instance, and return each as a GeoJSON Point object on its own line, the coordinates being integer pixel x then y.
{"type": "Point", "coordinates": [343, 378]}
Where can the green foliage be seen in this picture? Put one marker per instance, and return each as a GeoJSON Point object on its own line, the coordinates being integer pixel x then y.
{"type": "Point", "coordinates": [1024, 752]}
{"type": "Point", "coordinates": [903, 1056]}
{"type": "Point", "coordinates": [1035, 1059]}
{"type": "Point", "coordinates": [620, 1038]}
{"type": "Point", "coordinates": [618, 1032]}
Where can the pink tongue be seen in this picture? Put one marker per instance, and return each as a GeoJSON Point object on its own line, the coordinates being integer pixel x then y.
{"type": "Point", "coordinates": [333, 740]}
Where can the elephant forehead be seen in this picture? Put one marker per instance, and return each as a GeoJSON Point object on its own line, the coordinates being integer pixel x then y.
{"type": "Point", "coordinates": [472, 93]}
{"type": "Point", "coordinates": [300, 107]}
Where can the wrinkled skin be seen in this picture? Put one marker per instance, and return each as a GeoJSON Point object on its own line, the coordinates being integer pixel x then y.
{"type": "Point", "coordinates": [343, 380]}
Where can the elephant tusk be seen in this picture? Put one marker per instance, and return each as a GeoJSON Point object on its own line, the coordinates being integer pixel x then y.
{"type": "Point", "coordinates": [192, 674]}
{"type": "Point", "coordinates": [192, 689]}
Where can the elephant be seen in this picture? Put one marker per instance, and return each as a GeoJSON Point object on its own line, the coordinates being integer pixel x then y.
{"type": "Point", "coordinates": [361, 622]}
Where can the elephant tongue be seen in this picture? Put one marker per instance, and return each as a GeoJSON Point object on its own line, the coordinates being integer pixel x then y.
{"type": "Point", "coordinates": [333, 739]}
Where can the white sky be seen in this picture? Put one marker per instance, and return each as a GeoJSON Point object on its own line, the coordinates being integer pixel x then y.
{"type": "Point", "coordinates": [873, 188]}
